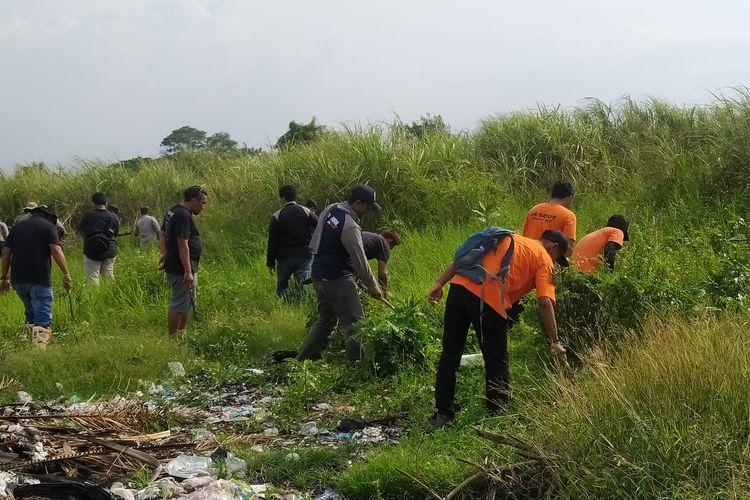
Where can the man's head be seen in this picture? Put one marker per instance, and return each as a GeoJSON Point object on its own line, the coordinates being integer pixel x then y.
{"type": "Point", "coordinates": [392, 237]}
{"type": "Point", "coordinates": [45, 212]}
{"type": "Point", "coordinates": [99, 199]}
{"type": "Point", "coordinates": [362, 199]}
{"type": "Point", "coordinates": [563, 192]}
{"type": "Point", "coordinates": [287, 193]}
{"type": "Point", "coordinates": [29, 207]}
{"type": "Point", "coordinates": [194, 199]}
{"type": "Point", "coordinates": [557, 246]}
{"type": "Point", "coordinates": [620, 222]}
{"type": "Point", "coordinates": [312, 206]}
{"type": "Point", "coordinates": [144, 210]}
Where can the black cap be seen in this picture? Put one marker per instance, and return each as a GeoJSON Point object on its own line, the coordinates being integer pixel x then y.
{"type": "Point", "coordinates": [45, 210]}
{"type": "Point", "coordinates": [365, 194]}
{"type": "Point", "coordinates": [562, 241]}
{"type": "Point", "coordinates": [620, 222]}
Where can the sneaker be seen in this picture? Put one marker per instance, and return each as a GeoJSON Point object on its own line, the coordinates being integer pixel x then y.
{"type": "Point", "coordinates": [440, 420]}
{"type": "Point", "coordinates": [40, 336]}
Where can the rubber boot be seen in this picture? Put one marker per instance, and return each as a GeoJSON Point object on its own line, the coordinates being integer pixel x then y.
{"type": "Point", "coordinates": [41, 336]}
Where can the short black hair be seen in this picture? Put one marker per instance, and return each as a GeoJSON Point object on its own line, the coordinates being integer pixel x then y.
{"type": "Point", "coordinates": [144, 210]}
{"type": "Point", "coordinates": [561, 189]}
{"type": "Point", "coordinates": [288, 192]}
{"type": "Point", "coordinates": [98, 198]}
{"type": "Point", "coordinates": [194, 192]}
{"type": "Point", "coordinates": [311, 204]}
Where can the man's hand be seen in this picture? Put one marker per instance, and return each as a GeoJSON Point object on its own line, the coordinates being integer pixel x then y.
{"type": "Point", "coordinates": [271, 270]}
{"type": "Point", "coordinates": [558, 351]}
{"type": "Point", "coordinates": [376, 293]}
{"type": "Point", "coordinates": [188, 279]}
{"type": "Point", "coordinates": [67, 283]}
{"type": "Point", "coordinates": [160, 267]}
{"type": "Point", "coordinates": [435, 294]}
{"type": "Point", "coordinates": [5, 286]}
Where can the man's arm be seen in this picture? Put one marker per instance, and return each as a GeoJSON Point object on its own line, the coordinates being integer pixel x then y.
{"type": "Point", "coordinates": [351, 238]}
{"type": "Point", "coordinates": [162, 248]}
{"type": "Point", "coordinates": [5, 285]}
{"type": "Point", "coordinates": [436, 292]}
{"type": "Point", "coordinates": [610, 252]}
{"type": "Point", "coordinates": [273, 244]}
{"type": "Point", "coordinates": [59, 257]}
{"type": "Point", "coordinates": [184, 250]}
{"type": "Point", "coordinates": [546, 310]}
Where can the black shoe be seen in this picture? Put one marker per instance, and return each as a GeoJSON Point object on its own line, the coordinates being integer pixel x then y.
{"type": "Point", "coordinates": [440, 420]}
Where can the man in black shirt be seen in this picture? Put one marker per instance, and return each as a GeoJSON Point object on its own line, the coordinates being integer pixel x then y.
{"type": "Point", "coordinates": [100, 228]}
{"type": "Point", "coordinates": [181, 248]}
{"type": "Point", "coordinates": [289, 234]}
{"type": "Point", "coordinates": [379, 246]}
{"type": "Point", "coordinates": [30, 245]}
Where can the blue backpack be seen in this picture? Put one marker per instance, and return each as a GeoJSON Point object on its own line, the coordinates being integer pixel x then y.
{"type": "Point", "coordinates": [468, 258]}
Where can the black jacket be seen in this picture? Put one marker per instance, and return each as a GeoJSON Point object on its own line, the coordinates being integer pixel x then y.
{"type": "Point", "coordinates": [289, 233]}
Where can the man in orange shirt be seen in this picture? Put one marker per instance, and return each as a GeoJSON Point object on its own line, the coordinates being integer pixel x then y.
{"type": "Point", "coordinates": [554, 214]}
{"type": "Point", "coordinates": [604, 242]}
{"type": "Point", "coordinates": [531, 268]}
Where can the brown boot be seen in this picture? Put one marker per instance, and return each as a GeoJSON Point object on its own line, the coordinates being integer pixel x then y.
{"type": "Point", "coordinates": [41, 336]}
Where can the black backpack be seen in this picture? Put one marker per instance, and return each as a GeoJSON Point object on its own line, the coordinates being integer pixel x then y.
{"type": "Point", "coordinates": [97, 243]}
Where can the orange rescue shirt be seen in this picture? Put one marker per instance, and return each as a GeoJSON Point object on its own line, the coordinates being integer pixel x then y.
{"type": "Point", "coordinates": [546, 216]}
{"type": "Point", "coordinates": [530, 268]}
{"type": "Point", "coordinates": [587, 254]}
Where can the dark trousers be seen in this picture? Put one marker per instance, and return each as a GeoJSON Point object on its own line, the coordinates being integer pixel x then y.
{"type": "Point", "coordinates": [338, 303]}
{"type": "Point", "coordinates": [462, 309]}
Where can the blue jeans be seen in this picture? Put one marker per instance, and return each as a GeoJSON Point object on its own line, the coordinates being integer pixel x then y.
{"type": "Point", "coordinates": [285, 268]}
{"type": "Point", "coordinates": [37, 300]}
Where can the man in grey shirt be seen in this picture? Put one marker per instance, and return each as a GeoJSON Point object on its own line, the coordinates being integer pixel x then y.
{"type": "Point", "coordinates": [146, 228]}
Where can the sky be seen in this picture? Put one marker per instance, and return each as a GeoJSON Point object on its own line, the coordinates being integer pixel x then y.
{"type": "Point", "coordinates": [106, 79]}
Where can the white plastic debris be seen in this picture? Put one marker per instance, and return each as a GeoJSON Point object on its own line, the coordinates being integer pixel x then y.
{"type": "Point", "coordinates": [471, 359]}
{"type": "Point", "coordinates": [121, 491]}
{"type": "Point", "coordinates": [308, 429]}
{"type": "Point", "coordinates": [163, 488]}
{"type": "Point", "coordinates": [24, 397]}
{"type": "Point", "coordinates": [176, 368]}
{"type": "Point", "coordinates": [235, 466]}
{"type": "Point", "coordinates": [187, 466]}
{"type": "Point", "coordinates": [323, 407]}
{"type": "Point", "coordinates": [271, 431]}
{"type": "Point", "coordinates": [292, 457]}
{"type": "Point", "coordinates": [196, 483]}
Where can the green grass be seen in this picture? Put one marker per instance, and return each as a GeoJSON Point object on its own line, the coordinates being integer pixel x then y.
{"type": "Point", "coordinates": [667, 417]}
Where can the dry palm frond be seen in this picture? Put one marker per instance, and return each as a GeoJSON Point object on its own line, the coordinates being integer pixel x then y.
{"type": "Point", "coordinates": [10, 384]}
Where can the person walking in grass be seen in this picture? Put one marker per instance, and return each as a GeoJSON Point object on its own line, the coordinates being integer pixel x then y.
{"type": "Point", "coordinates": [61, 232]}
{"type": "Point", "coordinates": [289, 233]}
{"type": "Point", "coordinates": [486, 307]}
{"type": "Point", "coordinates": [31, 245]}
{"type": "Point", "coordinates": [553, 214]}
{"type": "Point", "coordinates": [601, 245]}
{"type": "Point", "coordinates": [3, 235]}
{"type": "Point", "coordinates": [181, 249]}
{"type": "Point", "coordinates": [338, 255]}
{"type": "Point", "coordinates": [99, 228]}
{"type": "Point", "coordinates": [147, 228]}
{"type": "Point", "coordinates": [378, 247]}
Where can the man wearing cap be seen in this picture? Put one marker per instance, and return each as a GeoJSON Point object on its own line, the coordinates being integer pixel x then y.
{"type": "Point", "coordinates": [146, 228]}
{"type": "Point", "coordinates": [486, 307]}
{"type": "Point", "coordinates": [602, 244]}
{"type": "Point", "coordinates": [100, 228]}
{"type": "Point", "coordinates": [61, 232]}
{"type": "Point", "coordinates": [554, 214]}
{"type": "Point", "coordinates": [30, 245]}
{"type": "Point", "coordinates": [378, 247]}
{"type": "Point", "coordinates": [289, 233]}
{"type": "Point", "coordinates": [338, 255]}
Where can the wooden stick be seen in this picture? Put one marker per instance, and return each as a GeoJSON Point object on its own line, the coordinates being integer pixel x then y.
{"type": "Point", "coordinates": [463, 485]}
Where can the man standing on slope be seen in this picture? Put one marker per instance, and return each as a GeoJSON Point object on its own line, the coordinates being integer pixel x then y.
{"type": "Point", "coordinates": [486, 307]}
{"type": "Point", "coordinates": [602, 244]}
{"type": "Point", "coordinates": [554, 214]}
{"type": "Point", "coordinates": [100, 228]}
{"type": "Point", "coordinates": [289, 235]}
{"type": "Point", "coordinates": [338, 256]}
{"type": "Point", "coordinates": [181, 248]}
{"type": "Point", "coordinates": [30, 245]}
{"type": "Point", "coordinates": [146, 228]}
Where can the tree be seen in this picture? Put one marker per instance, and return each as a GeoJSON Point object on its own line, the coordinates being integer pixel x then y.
{"type": "Point", "coordinates": [220, 142]}
{"type": "Point", "coordinates": [427, 125]}
{"type": "Point", "coordinates": [300, 132]}
{"type": "Point", "coordinates": [184, 138]}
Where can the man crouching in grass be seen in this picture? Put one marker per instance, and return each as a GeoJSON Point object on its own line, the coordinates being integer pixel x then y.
{"type": "Point", "coordinates": [486, 308]}
{"type": "Point", "coordinates": [181, 248]}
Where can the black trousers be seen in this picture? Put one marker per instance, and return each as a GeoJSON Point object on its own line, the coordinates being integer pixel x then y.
{"type": "Point", "coordinates": [462, 309]}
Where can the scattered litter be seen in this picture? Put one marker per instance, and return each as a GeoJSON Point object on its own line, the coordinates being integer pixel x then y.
{"type": "Point", "coordinates": [255, 371]}
{"type": "Point", "coordinates": [195, 483]}
{"type": "Point", "coordinates": [176, 368]}
{"type": "Point", "coordinates": [308, 429]}
{"type": "Point", "coordinates": [271, 431]}
{"type": "Point", "coordinates": [323, 407]}
{"type": "Point", "coordinates": [25, 397]}
{"type": "Point", "coordinates": [187, 466]}
{"type": "Point", "coordinates": [471, 359]}
{"type": "Point", "coordinates": [292, 457]}
{"type": "Point", "coordinates": [329, 495]}
{"type": "Point", "coordinates": [163, 488]}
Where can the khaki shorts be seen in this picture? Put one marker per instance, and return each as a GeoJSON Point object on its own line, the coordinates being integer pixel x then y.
{"type": "Point", "coordinates": [182, 299]}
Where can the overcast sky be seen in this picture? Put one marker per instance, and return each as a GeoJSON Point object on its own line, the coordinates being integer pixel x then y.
{"type": "Point", "coordinates": [109, 79]}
